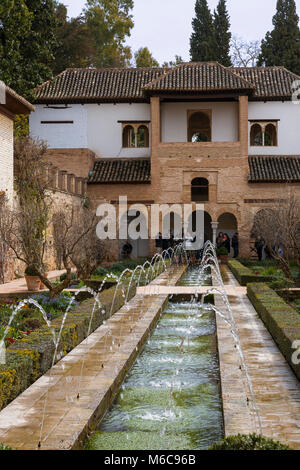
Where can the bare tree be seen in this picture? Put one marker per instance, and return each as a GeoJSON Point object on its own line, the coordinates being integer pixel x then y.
{"type": "Point", "coordinates": [280, 229]}
{"type": "Point", "coordinates": [6, 223]}
{"type": "Point", "coordinates": [244, 53]}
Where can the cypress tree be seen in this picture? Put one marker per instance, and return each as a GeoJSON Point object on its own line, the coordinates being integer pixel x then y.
{"type": "Point", "coordinates": [202, 40]}
{"type": "Point", "coordinates": [222, 34]}
{"type": "Point", "coordinates": [282, 45]}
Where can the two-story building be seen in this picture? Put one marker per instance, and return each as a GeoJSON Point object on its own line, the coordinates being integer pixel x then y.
{"type": "Point", "coordinates": [200, 132]}
{"type": "Point", "coordinates": [10, 105]}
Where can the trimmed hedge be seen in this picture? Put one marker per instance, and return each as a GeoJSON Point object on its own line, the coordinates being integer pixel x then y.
{"type": "Point", "coordinates": [244, 275]}
{"type": "Point", "coordinates": [282, 321]}
{"type": "Point", "coordinates": [29, 358]}
{"type": "Point", "coordinates": [249, 442]}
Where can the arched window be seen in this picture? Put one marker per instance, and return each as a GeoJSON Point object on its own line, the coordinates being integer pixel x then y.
{"type": "Point", "coordinates": [199, 129]}
{"type": "Point", "coordinates": [270, 135]}
{"type": "Point", "coordinates": [128, 137]}
{"type": "Point", "coordinates": [143, 137]}
{"type": "Point", "coordinates": [256, 136]}
{"type": "Point", "coordinates": [200, 190]}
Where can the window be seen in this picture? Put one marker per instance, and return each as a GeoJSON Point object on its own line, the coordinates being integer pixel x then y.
{"type": "Point", "coordinates": [263, 134]}
{"type": "Point", "coordinates": [135, 135]}
{"type": "Point", "coordinates": [128, 137]}
{"type": "Point", "coordinates": [199, 126]}
{"type": "Point", "coordinates": [200, 190]}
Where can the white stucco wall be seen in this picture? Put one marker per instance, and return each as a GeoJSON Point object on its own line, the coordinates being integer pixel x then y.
{"type": "Point", "coordinates": [288, 126]}
{"type": "Point", "coordinates": [6, 156]}
{"type": "Point", "coordinates": [175, 121]}
{"type": "Point", "coordinates": [105, 132]}
{"type": "Point", "coordinates": [95, 127]}
{"type": "Point", "coordinates": [61, 135]}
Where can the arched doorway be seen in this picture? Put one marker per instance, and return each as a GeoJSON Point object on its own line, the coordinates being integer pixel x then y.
{"type": "Point", "coordinates": [228, 224]}
{"type": "Point", "coordinates": [208, 232]}
{"type": "Point", "coordinates": [140, 247]}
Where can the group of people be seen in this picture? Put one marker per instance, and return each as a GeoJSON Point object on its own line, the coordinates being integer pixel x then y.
{"type": "Point", "coordinates": [163, 244]}
{"type": "Point", "coordinates": [224, 240]}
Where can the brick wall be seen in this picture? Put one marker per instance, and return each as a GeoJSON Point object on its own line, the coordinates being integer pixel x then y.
{"type": "Point", "coordinates": [77, 161]}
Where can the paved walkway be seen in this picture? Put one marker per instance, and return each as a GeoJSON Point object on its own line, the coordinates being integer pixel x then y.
{"type": "Point", "coordinates": [189, 290]}
{"type": "Point", "coordinates": [276, 388]}
{"type": "Point", "coordinates": [19, 286]}
{"type": "Point", "coordinates": [94, 369]}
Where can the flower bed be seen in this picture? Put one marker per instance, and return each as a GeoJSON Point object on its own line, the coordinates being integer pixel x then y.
{"type": "Point", "coordinates": [245, 275]}
{"type": "Point", "coordinates": [282, 320]}
{"type": "Point", "coordinates": [30, 357]}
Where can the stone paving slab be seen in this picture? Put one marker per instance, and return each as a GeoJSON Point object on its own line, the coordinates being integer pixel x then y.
{"type": "Point", "coordinates": [95, 369]}
{"type": "Point", "coordinates": [19, 286]}
{"type": "Point", "coordinates": [276, 388]}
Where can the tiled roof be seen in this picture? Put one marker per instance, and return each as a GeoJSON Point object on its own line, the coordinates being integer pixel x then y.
{"type": "Point", "coordinates": [93, 85]}
{"type": "Point", "coordinates": [200, 77]}
{"type": "Point", "coordinates": [269, 82]}
{"type": "Point", "coordinates": [121, 171]}
{"type": "Point", "coordinates": [134, 84]}
{"type": "Point", "coordinates": [274, 169]}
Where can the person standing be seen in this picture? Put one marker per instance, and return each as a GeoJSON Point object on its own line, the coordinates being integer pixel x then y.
{"type": "Point", "coordinates": [159, 243]}
{"type": "Point", "coordinates": [226, 242]}
{"type": "Point", "coordinates": [259, 245]}
{"type": "Point", "coordinates": [235, 244]}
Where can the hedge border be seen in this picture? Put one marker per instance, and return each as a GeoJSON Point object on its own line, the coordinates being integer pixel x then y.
{"type": "Point", "coordinates": [282, 321]}
{"type": "Point", "coordinates": [30, 358]}
{"type": "Point", "coordinates": [244, 275]}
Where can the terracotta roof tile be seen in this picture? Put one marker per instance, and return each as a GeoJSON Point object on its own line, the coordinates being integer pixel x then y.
{"type": "Point", "coordinates": [121, 171]}
{"type": "Point", "coordinates": [269, 82]}
{"type": "Point", "coordinates": [200, 77]}
{"type": "Point", "coordinates": [274, 169]}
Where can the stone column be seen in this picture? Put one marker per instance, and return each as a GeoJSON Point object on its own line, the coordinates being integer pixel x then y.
{"type": "Point", "coordinates": [243, 124]}
{"type": "Point", "coordinates": [214, 226]}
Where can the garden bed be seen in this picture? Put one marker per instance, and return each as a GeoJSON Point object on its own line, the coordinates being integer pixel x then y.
{"type": "Point", "coordinates": [245, 275]}
{"type": "Point", "coordinates": [281, 320]}
{"type": "Point", "coordinates": [29, 357]}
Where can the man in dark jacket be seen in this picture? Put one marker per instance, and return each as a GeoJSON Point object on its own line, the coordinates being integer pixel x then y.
{"type": "Point", "coordinates": [235, 244]}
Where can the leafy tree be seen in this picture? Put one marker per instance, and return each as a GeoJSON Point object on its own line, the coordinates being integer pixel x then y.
{"type": "Point", "coordinates": [173, 63]}
{"type": "Point", "coordinates": [282, 45]}
{"type": "Point", "coordinates": [109, 23]}
{"type": "Point", "coordinates": [202, 42]}
{"type": "Point", "coordinates": [144, 58]}
{"type": "Point", "coordinates": [75, 44]}
{"type": "Point", "coordinates": [222, 34]}
{"type": "Point", "coordinates": [27, 41]}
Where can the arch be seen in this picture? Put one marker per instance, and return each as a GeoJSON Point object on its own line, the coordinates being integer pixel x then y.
{"type": "Point", "coordinates": [199, 127]}
{"type": "Point", "coordinates": [256, 136]}
{"type": "Point", "coordinates": [143, 136]}
{"type": "Point", "coordinates": [208, 232]}
{"type": "Point", "coordinates": [128, 137]}
{"type": "Point", "coordinates": [270, 136]}
{"type": "Point", "coordinates": [140, 248]}
{"type": "Point", "coordinates": [200, 190]}
{"type": "Point", "coordinates": [227, 224]}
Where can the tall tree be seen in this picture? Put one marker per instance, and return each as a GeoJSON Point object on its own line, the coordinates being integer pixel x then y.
{"type": "Point", "coordinates": [202, 40]}
{"type": "Point", "coordinates": [222, 34]}
{"type": "Point", "coordinates": [75, 43]}
{"type": "Point", "coordinates": [110, 22]}
{"type": "Point", "coordinates": [281, 46]}
{"type": "Point", "coordinates": [144, 58]}
{"type": "Point", "coordinates": [27, 42]}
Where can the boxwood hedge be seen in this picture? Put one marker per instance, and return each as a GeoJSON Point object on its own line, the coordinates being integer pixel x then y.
{"type": "Point", "coordinates": [244, 275]}
{"type": "Point", "coordinates": [282, 321]}
{"type": "Point", "coordinates": [29, 358]}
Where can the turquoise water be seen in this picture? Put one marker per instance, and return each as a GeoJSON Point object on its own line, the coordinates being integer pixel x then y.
{"type": "Point", "coordinates": [170, 399]}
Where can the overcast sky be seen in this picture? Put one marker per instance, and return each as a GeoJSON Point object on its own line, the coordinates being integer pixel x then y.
{"type": "Point", "coordinates": [164, 26]}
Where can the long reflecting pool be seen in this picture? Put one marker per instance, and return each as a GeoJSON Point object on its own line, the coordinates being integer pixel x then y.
{"type": "Point", "coordinates": [170, 399]}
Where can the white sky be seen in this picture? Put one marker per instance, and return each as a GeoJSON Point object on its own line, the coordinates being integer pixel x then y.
{"type": "Point", "coordinates": [164, 26]}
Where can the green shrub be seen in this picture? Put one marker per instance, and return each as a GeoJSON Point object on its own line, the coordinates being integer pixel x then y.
{"type": "Point", "coordinates": [64, 275]}
{"type": "Point", "coordinates": [3, 447]}
{"type": "Point", "coordinates": [281, 283]}
{"type": "Point", "coordinates": [30, 271]}
{"type": "Point", "coordinates": [248, 442]}
{"type": "Point", "coordinates": [222, 251]}
{"type": "Point", "coordinates": [101, 271]}
{"type": "Point", "coordinates": [245, 275]}
{"type": "Point", "coordinates": [282, 320]}
{"type": "Point", "coordinates": [118, 268]}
